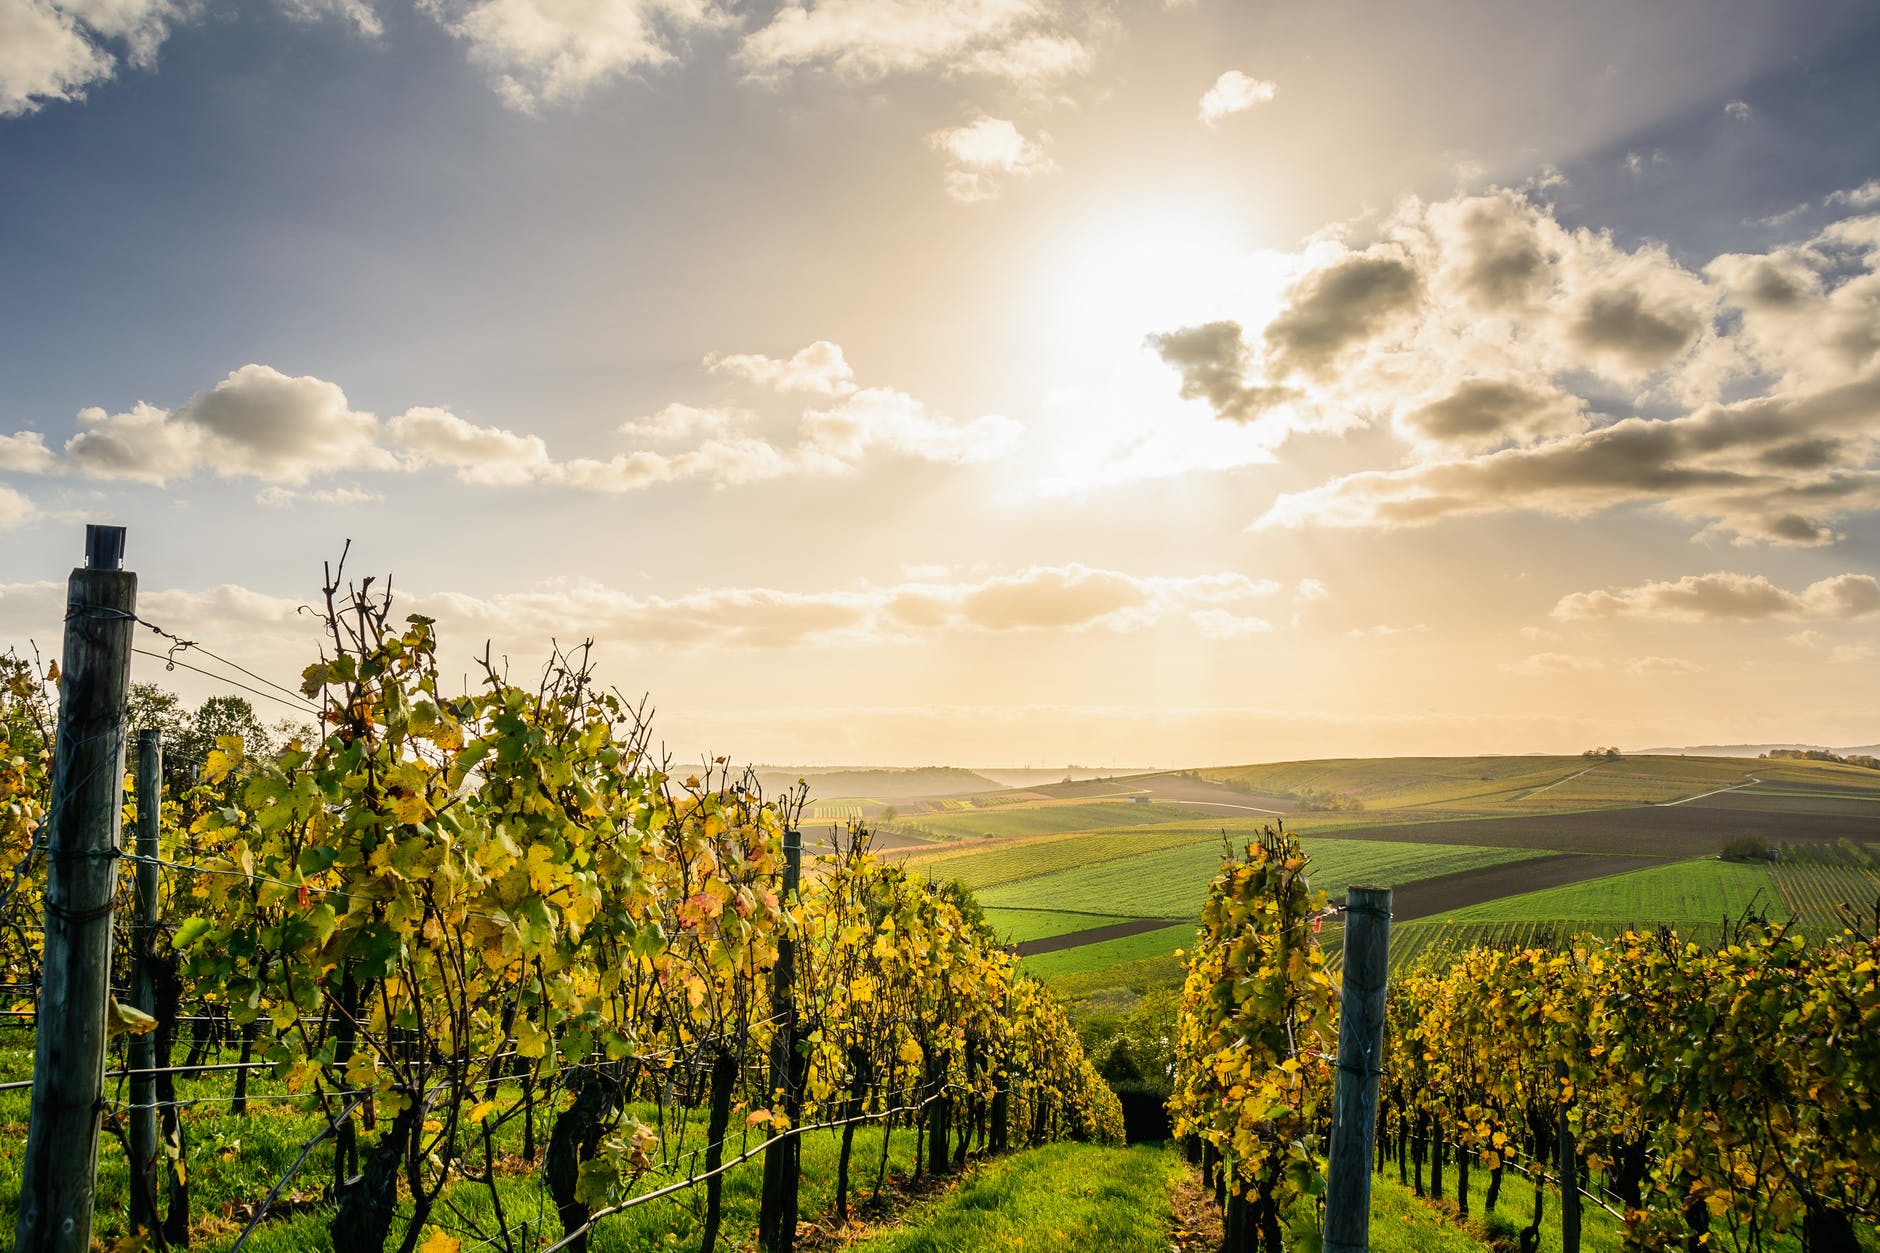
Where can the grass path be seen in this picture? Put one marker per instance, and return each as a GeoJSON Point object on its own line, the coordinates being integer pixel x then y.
{"type": "Point", "coordinates": [1062, 1196]}
{"type": "Point", "coordinates": [1110, 1200]}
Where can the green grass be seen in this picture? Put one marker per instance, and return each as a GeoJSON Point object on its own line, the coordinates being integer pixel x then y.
{"type": "Point", "coordinates": [1015, 926]}
{"type": "Point", "coordinates": [1698, 891]}
{"type": "Point", "coordinates": [1114, 989]}
{"type": "Point", "coordinates": [1400, 1223]}
{"type": "Point", "coordinates": [234, 1161]}
{"type": "Point", "coordinates": [1106, 953]}
{"type": "Point", "coordinates": [1173, 883]}
{"type": "Point", "coordinates": [1062, 1196]}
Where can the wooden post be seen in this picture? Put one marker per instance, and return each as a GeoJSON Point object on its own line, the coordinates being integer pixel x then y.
{"type": "Point", "coordinates": [143, 1048]}
{"type": "Point", "coordinates": [56, 1179]}
{"type": "Point", "coordinates": [1569, 1186]}
{"type": "Point", "coordinates": [1360, 1057]}
{"type": "Point", "coordinates": [776, 1217]}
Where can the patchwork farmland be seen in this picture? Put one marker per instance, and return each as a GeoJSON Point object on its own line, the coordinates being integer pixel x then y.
{"type": "Point", "coordinates": [1098, 882]}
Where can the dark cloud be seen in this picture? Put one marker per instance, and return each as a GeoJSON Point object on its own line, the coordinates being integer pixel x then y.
{"type": "Point", "coordinates": [1642, 333]}
{"type": "Point", "coordinates": [1487, 412]}
{"type": "Point", "coordinates": [1343, 304]}
{"type": "Point", "coordinates": [1212, 362]}
{"type": "Point", "coordinates": [1501, 263]}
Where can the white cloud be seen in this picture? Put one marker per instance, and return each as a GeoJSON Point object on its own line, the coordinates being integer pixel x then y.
{"type": "Point", "coordinates": [553, 51]}
{"type": "Point", "coordinates": [52, 50]}
{"type": "Point", "coordinates": [479, 454]}
{"type": "Point", "coordinates": [1850, 654]}
{"type": "Point", "coordinates": [1234, 92]}
{"type": "Point", "coordinates": [1219, 624]}
{"type": "Point", "coordinates": [358, 14]}
{"type": "Point", "coordinates": [26, 452]}
{"type": "Point", "coordinates": [262, 424]}
{"type": "Point", "coordinates": [1310, 589]}
{"type": "Point", "coordinates": [1533, 367]}
{"type": "Point", "coordinates": [880, 417]}
{"type": "Point", "coordinates": [1029, 42]}
{"type": "Point", "coordinates": [723, 462]}
{"type": "Point", "coordinates": [820, 369]}
{"type": "Point", "coordinates": [1724, 596]}
{"type": "Point", "coordinates": [680, 421]}
{"type": "Point", "coordinates": [278, 497]}
{"type": "Point", "coordinates": [256, 422]}
{"type": "Point", "coordinates": [1866, 196]}
{"type": "Point", "coordinates": [15, 509]}
{"type": "Point", "coordinates": [983, 154]}
{"type": "Point", "coordinates": [1738, 110]}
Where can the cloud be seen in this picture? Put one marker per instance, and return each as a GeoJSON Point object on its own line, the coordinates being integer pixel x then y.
{"type": "Point", "coordinates": [1234, 92]}
{"type": "Point", "coordinates": [15, 509]}
{"type": "Point", "coordinates": [1347, 302]}
{"type": "Point", "coordinates": [479, 454]}
{"type": "Point", "coordinates": [1310, 589]}
{"type": "Point", "coordinates": [54, 50]}
{"type": "Point", "coordinates": [1738, 111]}
{"type": "Point", "coordinates": [1219, 624]}
{"type": "Point", "coordinates": [1029, 42]}
{"type": "Point", "coordinates": [1850, 654]}
{"type": "Point", "coordinates": [278, 497]}
{"type": "Point", "coordinates": [257, 422]}
{"type": "Point", "coordinates": [1724, 596]}
{"type": "Point", "coordinates": [681, 421]}
{"type": "Point", "coordinates": [1486, 413]}
{"type": "Point", "coordinates": [260, 423]}
{"type": "Point", "coordinates": [727, 462]}
{"type": "Point", "coordinates": [553, 51]}
{"type": "Point", "coordinates": [358, 14]}
{"type": "Point", "coordinates": [1866, 196]}
{"type": "Point", "coordinates": [880, 417]}
{"type": "Point", "coordinates": [983, 154]}
{"type": "Point", "coordinates": [26, 452]}
{"type": "Point", "coordinates": [820, 368]}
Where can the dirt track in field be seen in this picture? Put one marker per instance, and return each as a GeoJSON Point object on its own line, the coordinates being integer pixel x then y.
{"type": "Point", "coordinates": [1420, 899]}
{"type": "Point", "coordinates": [1490, 883]}
{"type": "Point", "coordinates": [1094, 935]}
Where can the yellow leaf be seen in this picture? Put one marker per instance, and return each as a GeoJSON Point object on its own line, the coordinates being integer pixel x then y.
{"type": "Point", "coordinates": [126, 1020]}
{"type": "Point", "coordinates": [756, 1116]}
{"type": "Point", "coordinates": [438, 1242]}
{"type": "Point", "coordinates": [481, 1110]}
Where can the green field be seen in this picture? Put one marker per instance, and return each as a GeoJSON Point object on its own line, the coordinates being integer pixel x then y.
{"type": "Point", "coordinates": [1106, 953]}
{"type": "Point", "coordinates": [1015, 926]}
{"type": "Point", "coordinates": [1172, 883]}
{"type": "Point", "coordinates": [1705, 890]}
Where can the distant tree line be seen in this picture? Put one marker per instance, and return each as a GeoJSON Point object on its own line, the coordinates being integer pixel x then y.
{"type": "Point", "coordinates": [1821, 754]}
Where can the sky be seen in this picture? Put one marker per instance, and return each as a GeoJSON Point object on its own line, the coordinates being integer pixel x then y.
{"type": "Point", "coordinates": [994, 382]}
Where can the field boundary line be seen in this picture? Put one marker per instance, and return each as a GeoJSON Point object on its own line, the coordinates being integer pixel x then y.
{"type": "Point", "coordinates": [1751, 781]}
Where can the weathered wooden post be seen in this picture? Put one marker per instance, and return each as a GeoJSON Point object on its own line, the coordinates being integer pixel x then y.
{"type": "Point", "coordinates": [56, 1179]}
{"type": "Point", "coordinates": [1360, 1058]}
{"type": "Point", "coordinates": [782, 1159]}
{"type": "Point", "coordinates": [143, 1048]}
